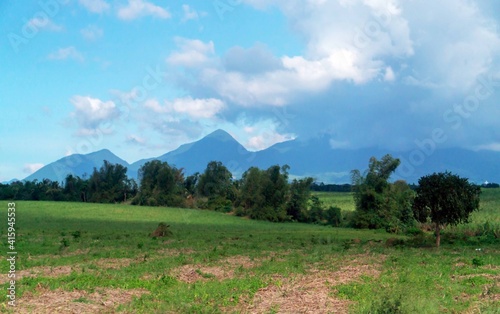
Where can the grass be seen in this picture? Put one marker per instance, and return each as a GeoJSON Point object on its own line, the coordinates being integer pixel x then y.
{"type": "Point", "coordinates": [338, 199]}
{"type": "Point", "coordinates": [216, 263]}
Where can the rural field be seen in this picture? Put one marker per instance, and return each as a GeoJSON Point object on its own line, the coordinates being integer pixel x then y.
{"type": "Point", "coordinates": [96, 258]}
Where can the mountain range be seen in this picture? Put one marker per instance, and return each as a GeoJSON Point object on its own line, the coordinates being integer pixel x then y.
{"type": "Point", "coordinates": [313, 157]}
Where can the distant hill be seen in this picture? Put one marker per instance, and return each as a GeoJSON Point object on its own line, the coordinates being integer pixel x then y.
{"type": "Point", "coordinates": [194, 157]}
{"type": "Point", "coordinates": [76, 164]}
{"type": "Point", "coordinates": [313, 157]}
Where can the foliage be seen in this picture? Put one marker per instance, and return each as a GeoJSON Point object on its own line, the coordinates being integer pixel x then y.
{"type": "Point", "coordinates": [264, 193]}
{"type": "Point", "coordinates": [216, 181]}
{"type": "Point", "coordinates": [161, 185]}
{"type": "Point", "coordinates": [109, 184]}
{"type": "Point", "coordinates": [300, 193]}
{"type": "Point", "coordinates": [403, 278]}
{"type": "Point", "coordinates": [380, 204]}
{"type": "Point", "coordinates": [445, 199]}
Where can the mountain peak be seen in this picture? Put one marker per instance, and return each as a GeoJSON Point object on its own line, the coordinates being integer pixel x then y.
{"type": "Point", "coordinates": [220, 135]}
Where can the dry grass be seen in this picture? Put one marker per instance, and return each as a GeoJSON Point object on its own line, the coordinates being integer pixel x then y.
{"type": "Point", "coordinates": [103, 300]}
{"type": "Point", "coordinates": [65, 270]}
{"type": "Point", "coordinates": [225, 270]}
{"type": "Point", "coordinates": [312, 292]}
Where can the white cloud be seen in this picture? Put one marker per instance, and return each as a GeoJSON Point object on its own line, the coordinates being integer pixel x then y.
{"type": "Point", "coordinates": [205, 108]}
{"type": "Point", "coordinates": [91, 32]}
{"type": "Point", "coordinates": [66, 53]}
{"type": "Point", "coordinates": [191, 53]}
{"type": "Point", "coordinates": [492, 146]}
{"type": "Point", "coordinates": [44, 23]}
{"type": "Point", "coordinates": [197, 108]}
{"type": "Point", "coordinates": [261, 134]}
{"type": "Point", "coordinates": [95, 6]}
{"type": "Point", "coordinates": [91, 112]}
{"type": "Point", "coordinates": [389, 75]}
{"type": "Point", "coordinates": [189, 13]}
{"type": "Point", "coordinates": [32, 168]}
{"type": "Point", "coordinates": [139, 8]}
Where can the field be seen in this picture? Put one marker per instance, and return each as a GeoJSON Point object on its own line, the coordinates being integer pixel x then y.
{"type": "Point", "coordinates": [94, 258]}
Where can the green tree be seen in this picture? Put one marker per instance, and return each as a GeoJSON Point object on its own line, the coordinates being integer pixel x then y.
{"type": "Point", "coordinates": [109, 184]}
{"type": "Point", "coordinates": [160, 185]}
{"type": "Point", "coordinates": [264, 193]}
{"type": "Point", "coordinates": [316, 212]}
{"type": "Point", "coordinates": [216, 181]}
{"type": "Point", "coordinates": [445, 198]}
{"type": "Point", "coordinates": [380, 204]}
{"type": "Point", "coordinates": [300, 192]}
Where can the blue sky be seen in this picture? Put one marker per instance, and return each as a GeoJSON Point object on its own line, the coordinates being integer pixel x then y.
{"type": "Point", "coordinates": [142, 77]}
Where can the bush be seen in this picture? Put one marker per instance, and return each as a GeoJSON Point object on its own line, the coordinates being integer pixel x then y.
{"type": "Point", "coordinates": [387, 305]}
{"type": "Point", "coordinates": [333, 216]}
{"type": "Point", "coordinates": [163, 230]}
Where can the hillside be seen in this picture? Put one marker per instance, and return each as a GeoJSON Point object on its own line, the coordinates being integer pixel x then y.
{"type": "Point", "coordinates": [312, 157]}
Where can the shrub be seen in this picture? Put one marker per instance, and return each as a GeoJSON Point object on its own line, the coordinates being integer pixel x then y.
{"type": "Point", "coordinates": [333, 216]}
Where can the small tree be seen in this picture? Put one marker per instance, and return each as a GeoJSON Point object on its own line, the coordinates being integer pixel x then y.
{"type": "Point", "coordinates": [445, 198]}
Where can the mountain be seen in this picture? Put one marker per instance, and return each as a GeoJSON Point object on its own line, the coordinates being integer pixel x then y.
{"type": "Point", "coordinates": [76, 164]}
{"type": "Point", "coordinates": [194, 157]}
{"type": "Point", "coordinates": [313, 157]}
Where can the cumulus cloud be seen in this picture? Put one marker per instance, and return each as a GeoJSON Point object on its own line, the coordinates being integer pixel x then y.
{"type": "Point", "coordinates": [193, 108]}
{"type": "Point", "coordinates": [262, 134]}
{"type": "Point", "coordinates": [90, 113]}
{"type": "Point", "coordinates": [372, 72]}
{"type": "Point", "coordinates": [140, 8]}
{"type": "Point", "coordinates": [95, 6]}
{"type": "Point", "coordinates": [44, 23]}
{"type": "Point", "coordinates": [66, 53]}
{"type": "Point", "coordinates": [257, 59]}
{"type": "Point", "coordinates": [189, 13]}
{"type": "Point", "coordinates": [191, 53]}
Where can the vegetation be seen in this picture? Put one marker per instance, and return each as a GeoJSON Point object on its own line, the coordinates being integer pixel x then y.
{"type": "Point", "coordinates": [444, 198]}
{"type": "Point", "coordinates": [72, 253]}
{"type": "Point", "coordinates": [380, 204]}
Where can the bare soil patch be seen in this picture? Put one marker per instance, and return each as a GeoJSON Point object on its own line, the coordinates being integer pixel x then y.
{"type": "Point", "coordinates": [226, 269]}
{"type": "Point", "coordinates": [65, 270]}
{"type": "Point", "coordinates": [103, 300]}
{"type": "Point", "coordinates": [312, 292]}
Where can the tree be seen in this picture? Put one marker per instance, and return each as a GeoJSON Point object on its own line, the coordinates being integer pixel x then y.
{"type": "Point", "coordinates": [109, 184]}
{"type": "Point", "coordinates": [445, 198]}
{"type": "Point", "coordinates": [160, 184]}
{"type": "Point", "coordinates": [264, 193]}
{"type": "Point", "coordinates": [372, 194]}
{"type": "Point", "coordinates": [216, 181]}
{"type": "Point", "coordinates": [300, 192]}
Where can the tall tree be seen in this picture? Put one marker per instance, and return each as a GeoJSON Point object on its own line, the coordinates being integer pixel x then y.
{"type": "Point", "coordinates": [300, 192]}
{"type": "Point", "coordinates": [109, 184]}
{"type": "Point", "coordinates": [264, 193]}
{"type": "Point", "coordinates": [216, 181]}
{"type": "Point", "coordinates": [445, 198]}
{"type": "Point", "coordinates": [160, 184]}
{"type": "Point", "coordinates": [379, 204]}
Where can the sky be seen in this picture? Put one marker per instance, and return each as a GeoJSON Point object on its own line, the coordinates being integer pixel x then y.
{"type": "Point", "coordinates": [141, 77]}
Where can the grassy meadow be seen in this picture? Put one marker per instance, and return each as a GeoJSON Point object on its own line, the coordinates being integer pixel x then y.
{"type": "Point", "coordinates": [96, 258]}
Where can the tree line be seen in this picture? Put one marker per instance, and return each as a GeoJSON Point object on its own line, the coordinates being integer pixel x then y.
{"type": "Point", "coordinates": [265, 194]}
{"type": "Point", "coordinates": [268, 194]}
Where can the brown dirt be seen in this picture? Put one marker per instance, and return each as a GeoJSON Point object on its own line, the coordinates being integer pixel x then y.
{"type": "Point", "coordinates": [77, 301]}
{"type": "Point", "coordinates": [65, 270]}
{"type": "Point", "coordinates": [309, 293]}
{"type": "Point", "coordinates": [226, 269]}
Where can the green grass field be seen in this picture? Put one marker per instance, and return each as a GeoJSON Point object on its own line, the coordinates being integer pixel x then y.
{"type": "Point", "coordinates": [94, 258]}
